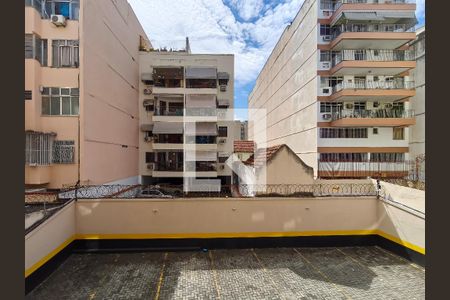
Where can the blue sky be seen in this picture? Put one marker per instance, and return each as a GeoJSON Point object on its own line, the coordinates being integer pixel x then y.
{"type": "Point", "coordinates": [249, 29]}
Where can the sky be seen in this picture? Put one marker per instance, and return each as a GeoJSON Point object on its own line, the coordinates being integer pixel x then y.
{"type": "Point", "coordinates": [249, 29]}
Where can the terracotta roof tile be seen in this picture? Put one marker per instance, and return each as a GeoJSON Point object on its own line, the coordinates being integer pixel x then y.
{"type": "Point", "coordinates": [244, 146]}
{"type": "Point", "coordinates": [263, 155]}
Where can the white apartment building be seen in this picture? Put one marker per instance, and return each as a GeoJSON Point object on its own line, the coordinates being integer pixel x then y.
{"type": "Point", "coordinates": [417, 131]}
{"type": "Point", "coordinates": [186, 130]}
{"type": "Point", "coordinates": [337, 86]}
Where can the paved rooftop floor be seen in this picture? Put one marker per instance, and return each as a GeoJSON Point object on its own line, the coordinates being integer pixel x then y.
{"type": "Point", "coordinates": [277, 273]}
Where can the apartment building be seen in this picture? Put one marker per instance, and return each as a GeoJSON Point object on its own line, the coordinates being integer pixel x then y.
{"type": "Point", "coordinates": [187, 128]}
{"type": "Point", "coordinates": [81, 92]}
{"type": "Point", "coordinates": [417, 131]}
{"type": "Point", "coordinates": [337, 85]}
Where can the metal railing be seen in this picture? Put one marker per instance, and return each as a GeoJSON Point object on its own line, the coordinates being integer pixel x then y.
{"type": "Point", "coordinates": [170, 112]}
{"type": "Point", "coordinates": [371, 85]}
{"type": "Point", "coordinates": [373, 114]}
{"type": "Point", "coordinates": [338, 3]}
{"type": "Point", "coordinates": [337, 30]}
{"type": "Point", "coordinates": [172, 167]}
{"type": "Point", "coordinates": [372, 55]}
{"type": "Point", "coordinates": [242, 190]}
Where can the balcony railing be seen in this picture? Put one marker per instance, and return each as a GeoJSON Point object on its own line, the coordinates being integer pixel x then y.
{"type": "Point", "coordinates": [337, 30]}
{"type": "Point", "coordinates": [201, 112]}
{"type": "Point", "coordinates": [170, 112]}
{"type": "Point", "coordinates": [373, 114]}
{"type": "Point", "coordinates": [373, 85]}
{"type": "Point", "coordinates": [372, 55]}
{"type": "Point", "coordinates": [168, 139]}
{"type": "Point", "coordinates": [336, 4]}
{"type": "Point", "coordinates": [169, 167]}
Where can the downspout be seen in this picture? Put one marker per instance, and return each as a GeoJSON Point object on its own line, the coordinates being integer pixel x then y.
{"type": "Point", "coordinates": [79, 97]}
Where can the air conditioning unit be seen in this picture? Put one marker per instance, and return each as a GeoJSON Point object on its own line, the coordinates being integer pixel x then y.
{"type": "Point", "coordinates": [326, 38]}
{"type": "Point", "coordinates": [376, 104]}
{"type": "Point", "coordinates": [326, 116]}
{"type": "Point", "coordinates": [325, 65]}
{"type": "Point", "coordinates": [222, 141]}
{"type": "Point", "coordinates": [151, 166]}
{"type": "Point", "coordinates": [348, 105]}
{"type": "Point", "coordinates": [326, 91]}
{"type": "Point", "coordinates": [148, 91]}
{"type": "Point", "coordinates": [223, 88]}
{"type": "Point", "coordinates": [221, 167]}
{"type": "Point", "coordinates": [58, 20]}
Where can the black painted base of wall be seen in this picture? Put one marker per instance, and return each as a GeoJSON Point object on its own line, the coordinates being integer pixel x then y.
{"type": "Point", "coordinates": [127, 245]}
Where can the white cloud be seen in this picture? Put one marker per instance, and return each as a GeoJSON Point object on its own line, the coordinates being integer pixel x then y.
{"type": "Point", "coordinates": [212, 28]}
{"type": "Point", "coordinates": [248, 9]}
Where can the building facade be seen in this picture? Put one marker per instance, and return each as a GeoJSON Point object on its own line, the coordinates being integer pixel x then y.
{"type": "Point", "coordinates": [417, 131]}
{"type": "Point", "coordinates": [81, 92]}
{"type": "Point", "coordinates": [337, 85]}
{"type": "Point", "coordinates": [187, 131]}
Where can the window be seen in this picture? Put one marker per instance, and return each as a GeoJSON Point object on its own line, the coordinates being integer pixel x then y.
{"type": "Point", "coordinates": [398, 133]}
{"type": "Point", "coordinates": [68, 8]}
{"type": "Point", "coordinates": [28, 95]}
{"type": "Point", "coordinates": [325, 30]}
{"type": "Point", "coordinates": [149, 157]}
{"type": "Point", "coordinates": [63, 152]}
{"type": "Point", "coordinates": [65, 53]}
{"type": "Point", "coordinates": [325, 56]}
{"type": "Point", "coordinates": [60, 101]}
{"type": "Point", "coordinates": [37, 4]}
{"type": "Point", "coordinates": [38, 148]}
{"type": "Point", "coordinates": [375, 131]}
{"type": "Point", "coordinates": [359, 106]}
{"type": "Point", "coordinates": [328, 107]}
{"type": "Point", "coordinates": [223, 131]}
{"type": "Point", "coordinates": [333, 133]}
{"type": "Point", "coordinates": [343, 157]}
{"type": "Point", "coordinates": [387, 157]}
{"type": "Point", "coordinates": [36, 48]}
{"type": "Point", "coordinates": [222, 159]}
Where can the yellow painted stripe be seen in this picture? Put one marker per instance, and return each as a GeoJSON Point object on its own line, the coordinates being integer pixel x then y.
{"type": "Point", "coordinates": [401, 242]}
{"type": "Point", "coordinates": [219, 235]}
{"type": "Point", "coordinates": [48, 256]}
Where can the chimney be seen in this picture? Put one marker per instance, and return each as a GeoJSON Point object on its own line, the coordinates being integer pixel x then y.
{"type": "Point", "coordinates": [188, 46]}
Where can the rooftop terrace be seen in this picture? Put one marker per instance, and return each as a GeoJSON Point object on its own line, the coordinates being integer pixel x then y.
{"type": "Point", "coordinates": [271, 273]}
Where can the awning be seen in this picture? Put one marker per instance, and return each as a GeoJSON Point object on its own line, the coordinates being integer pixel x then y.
{"type": "Point", "coordinates": [146, 76]}
{"type": "Point", "coordinates": [223, 75]}
{"type": "Point", "coordinates": [201, 156]}
{"type": "Point", "coordinates": [397, 14]}
{"type": "Point", "coordinates": [223, 102]}
{"type": "Point", "coordinates": [201, 128]}
{"type": "Point", "coordinates": [148, 102]}
{"type": "Point", "coordinates": [363, 16]}
{"type": "Point", "coordinates": [168, 128]}
{"type": "Point", "coordinates": [168, 73]}
{"type": "Point", "coordinates": [146, 127]}
{"type": "Point", "coordinates": [201, 73]}
{"type": "Point", "coordinates": [200, 101]}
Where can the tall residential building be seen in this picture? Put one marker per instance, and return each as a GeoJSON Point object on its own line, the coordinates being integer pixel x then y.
{"type": "Point", "coordinates": [337, 85]}
{"type": "Point", "coordinates": [81, 92]}
{"type": "Point", "coordinates": [186, 130]}
{"type": "Point", "coordinates": [417, 131]}
{"type": "Point", "coordinates": [244, 130]}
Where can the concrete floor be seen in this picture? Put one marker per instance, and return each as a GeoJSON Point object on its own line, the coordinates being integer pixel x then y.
{"type": "Point", "coordinates": [281, 273]}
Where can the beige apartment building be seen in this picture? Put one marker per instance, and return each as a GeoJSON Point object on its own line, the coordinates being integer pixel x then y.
{"type": "Point", "coordinates": [417, 132]}
{"type": "Point", "coordinates": [81, 92]}
{"type": "Point", "coordinates": [187, 125]}
{"type": "Point", "coordinates": [337, 85]}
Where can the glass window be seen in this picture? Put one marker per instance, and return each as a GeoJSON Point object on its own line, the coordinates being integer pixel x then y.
{"type": "Point", "coordinates": [65, 53]}
{"type": "Point", "coordinates": [66, 105]}
{"type": "Point", "coordinates": [75, 106]}
{"type": "Point", "coordinates": [68, 8]}
{"type": "Point", "coordinates": [55, 107]}
{"type": "Point", "coordinates": [28, 95]}
{"type": "Point", "coordinates": [60, 101]}
{"type": "Point", "coordinates": [398, 133]}
{"type": "Point", "coordinates": [223, 131]}
{"type": "Point", "coordinates": [45, 105]}
{"type": "Point", "coordinates": [63, 152]}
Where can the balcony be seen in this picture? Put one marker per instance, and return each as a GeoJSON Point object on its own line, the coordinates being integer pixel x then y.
{"type": "Point", "coordinates": [363, 90]}
{"type": "Point", "coordinates": [352, 169]}
{"type": "Point", "coordinates": [371, 36]}
{"type": "Point", "coordinates": [374, 62]}
{"type": "Point", "coordinates": [373, 118]}
{"type": "Point", "coordinates": [168, 142]}
{"type": "Point", "coordinates": [168, 115]}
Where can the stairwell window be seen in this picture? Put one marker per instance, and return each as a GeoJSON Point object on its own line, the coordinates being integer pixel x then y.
{"type": "Point", "coordinates": [65, 53]}
{"type": "Point", "coordinates": [60, 101]}
{"type": "Point", "coordinates": [36, 48]}
{"type": "Point", "coordinates": [63, 152]}
{"type": "Point", "coordinates": [398, 133]}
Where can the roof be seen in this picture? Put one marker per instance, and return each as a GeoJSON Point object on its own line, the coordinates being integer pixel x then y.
{"type": "Point", "coordinates": [244, 146]}
{"type": "Point", "coordinates": [264, 155]}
